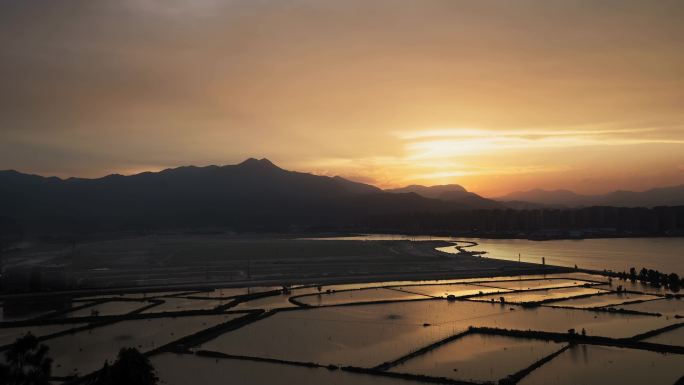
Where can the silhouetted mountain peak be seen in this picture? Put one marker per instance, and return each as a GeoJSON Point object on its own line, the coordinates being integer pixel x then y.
{"type": "Point", "coordinates": [431, 191]}
{"type": "Point", "coordinates": [255, 194]}
{"type": "Point", "coordinates": [448, 193]}
{"type": "Point", "coordinates": [258, 163]}
{"type": "Point", "coordinates": [113, 176]}
{"type": "Point", "coordinates": [16, 175]}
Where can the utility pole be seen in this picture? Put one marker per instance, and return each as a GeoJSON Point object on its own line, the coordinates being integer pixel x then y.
{"type": "Point", "coordinates": [1, 269]}
{"type": "Point", "coordinates": [249, 274]}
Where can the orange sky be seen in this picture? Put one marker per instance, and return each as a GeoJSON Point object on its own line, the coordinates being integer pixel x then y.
{"type": "Point", "coordinates": [494, 95]}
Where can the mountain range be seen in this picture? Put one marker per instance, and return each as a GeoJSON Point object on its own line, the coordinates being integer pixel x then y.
{"type": "Point", "coordinates": [252, 195]}
{"type": "Point", "coordinates": [450, 193]}
{"type": "Point", "coordinates": [662, 196]}
{"type": "Point", "coordinates": [255, 195]}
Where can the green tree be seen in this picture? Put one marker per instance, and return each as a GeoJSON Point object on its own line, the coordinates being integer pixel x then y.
{"type": "Point", "coordinates": [26, 363]}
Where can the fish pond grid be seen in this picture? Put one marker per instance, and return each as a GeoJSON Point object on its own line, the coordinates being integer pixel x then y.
{"type": "Point", "coordinates": [566, 328]}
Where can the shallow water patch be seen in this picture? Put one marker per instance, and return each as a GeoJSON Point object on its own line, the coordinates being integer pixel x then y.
{"type": "Point", "coordinates": [107, 308]}
{"type": "Point", "coordinates": [539, 295]}
{"type": "Point", "coordinates": [355, 296]}
{"type": "Point", "coordinates": [175, 304]}
{"type": "Point", "coordinates": [479, 357]}
{"type": "Point", "coordinates": [589, 365]}
{"type": "Point", "coordinates": [611, 299]}
{"type": "Point", "coordinates": [9, 335]}
{"type": "Point", "coordinates": [443, 291]}
{"type": "Point", "coordinates": [234, 292]}
{"type": "Point", "coordinates": [277, 301]}
{"type": "Point", "coordinates": [673, 337]}
{"type": "Point", "coordinates": [534, 284]}
{"type": "Point", "coordinates": [369, 335]}
{"type": "Point", "coordinates": [144, 295]}
{"type": "Point", "coordinates": [174, 369]}
{"type": "Point", "coordinates": [670, 308]}
{"type": "Point", "coordinates": [364, 336]}
{"type": "Point", "coordinates": [86, 351]}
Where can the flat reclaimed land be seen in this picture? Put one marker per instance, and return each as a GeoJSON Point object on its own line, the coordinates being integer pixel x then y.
{"type": "Point", "coordinates": [270, 309]}
{"type": "Point", "coordinates": [187, 260]}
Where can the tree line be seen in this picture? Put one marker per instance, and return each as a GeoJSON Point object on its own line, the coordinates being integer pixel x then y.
{"type": "Point", "coordinates": [654, 278]}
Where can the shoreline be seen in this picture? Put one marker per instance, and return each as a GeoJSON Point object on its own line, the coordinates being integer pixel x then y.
{"type": "Point", "coordinates": [514, 237]}
{"type": "Point", "coordinates": [117, 235]}
{"type": "Point", "coordinates": [505, 268]}
{"type": "Point", "coordinates": [424, 276]}
{"type": "Point", "coordinates": [465, 263]}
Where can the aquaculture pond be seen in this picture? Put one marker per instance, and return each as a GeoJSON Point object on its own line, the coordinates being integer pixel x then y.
{"type": "Point", "coordinates": [184, 369]}
{"type": "Point", "coordinates": [534, 284]}
{"type": "Point", "coordinates": [235, 292]}
{"type": "Point", "coordinates": [86, 351]}
{"type": "Point", "coordinates": [479, 357]}
{"type": "Point", "coordinates": [279, 301]}
{"type": "Point", "coordinates": [642, 287]}
{"type": "Point", "coordinates": [672, 337]}
{"type": "Point", "coordinates": [455, 289]}
{"type": "Point", "coordinates": [354, 296]}
{"type": "Point", "coordinates": [108, 308]}
{"type": "Point", "coordinates": [394, 332]}
{"type": "Point", "coordinates": [540, 295]}
{"type": "Point", "coordinates": [599, 365]}
{"type": "Point", "coordinates": [369, 335]}
{"type": "Point", "coordinates": [356, 335]}
{"type": "Point", "coordinates": [10, 334]}
{"type": "Point", "coordinates": [144, 295]}
{"type": "Point", "coordinates": [608, 299]}
{"type": "Point", "coordinates": [668, 307]}
{"type": "Point", "coordinates": [175, 304]}
{"type": "Point", "coordinates": [8, 315]}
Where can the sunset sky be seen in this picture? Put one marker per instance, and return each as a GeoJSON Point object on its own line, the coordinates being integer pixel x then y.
{"type": "Point", "coordinates": [496, 96]}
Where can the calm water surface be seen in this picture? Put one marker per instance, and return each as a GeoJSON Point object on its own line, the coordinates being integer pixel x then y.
{"type": "Point", "coordinates": [599, 365]}
{"type": "Point", "coordinates": [618, 254]}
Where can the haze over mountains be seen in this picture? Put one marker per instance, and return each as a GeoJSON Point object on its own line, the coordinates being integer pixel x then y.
{"type": "Point", "coordinates": [253, 195]}
{"type": "Point", "coordinates": [538, 198]}
{"type": "Point", "coordinates": [450, 193]}
{"type": "Point", "coordinates": [662, 196]}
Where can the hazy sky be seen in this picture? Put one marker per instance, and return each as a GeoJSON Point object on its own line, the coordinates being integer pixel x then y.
{"type": "Point", "coordinates": [494, 95]}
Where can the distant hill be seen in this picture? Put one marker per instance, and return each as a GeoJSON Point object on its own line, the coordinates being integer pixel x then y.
{"type": "Point", "coordinates": [564, 198]}
{"type": "Point", "coordinates": [355, 187]}
{"type": "Point", "coordinates": [663, 196]}
{"type": "Point", "coordinates": [522, 205]}
{"type": "Point", "coordinates": [252, 195]}
{"type": "Point", "coordinates": [450, 193]}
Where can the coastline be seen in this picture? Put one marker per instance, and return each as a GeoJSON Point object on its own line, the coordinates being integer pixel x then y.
{"type": "Point", "coordinates": [465, 264]}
